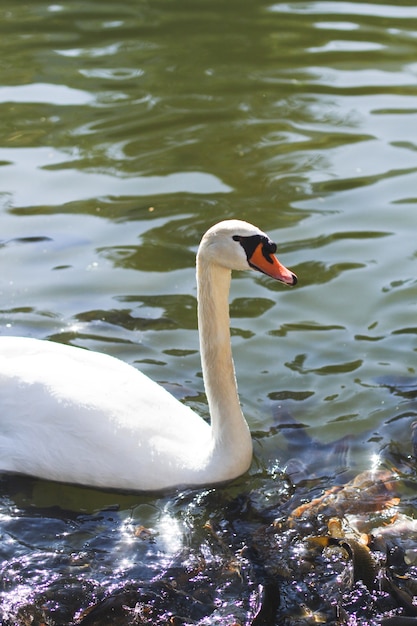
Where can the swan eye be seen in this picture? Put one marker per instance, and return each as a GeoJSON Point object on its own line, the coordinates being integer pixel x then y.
{"type": "Point", "coordinates": [269, 247]}
{"type": "Point", "coordinates": [249, 244]}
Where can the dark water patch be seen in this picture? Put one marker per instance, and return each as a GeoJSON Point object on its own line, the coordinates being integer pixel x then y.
{"type": "Point", "coordinates": [361, 181]}
{"type": "Point", "coordinates": [290, 395]}
{"type": "Point", "coordinates": [297, 365]}
{"type": "Point", "coordinates": [319, 273]}
{"type": "Point", "coordinates": [145, 257]}
{"type": "Point", "coordinates": [405, 331]}
{"type": "Point", "coordinates": [169, 306]}
{"type": "Point", "coordinates": [368, 338]}
{"type": "Point", "coordinates": [400, 385]}
{"type": "Point", "coordinates": [125, 319]}
{"type": "Point", "coordinates": [250, 307]}
{"type": "Point", "coordinates": [32, 239]}
{"type": "Point", "coordinates": [304, 326]}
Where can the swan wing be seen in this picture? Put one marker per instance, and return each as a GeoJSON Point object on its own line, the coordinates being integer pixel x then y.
{"type": "Point", "coordinates": [79, 416]}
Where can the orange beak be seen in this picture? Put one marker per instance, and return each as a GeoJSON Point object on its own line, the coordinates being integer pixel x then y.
{"type": "Point", "coordinates": [268, 264]}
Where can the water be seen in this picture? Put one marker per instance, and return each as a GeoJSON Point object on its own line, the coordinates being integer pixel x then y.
{"type": "Point", "coordinates": [127, 130]}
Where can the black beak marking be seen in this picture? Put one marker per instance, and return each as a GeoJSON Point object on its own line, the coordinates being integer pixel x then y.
{"type": "Point", "coordinates": [249, 244]}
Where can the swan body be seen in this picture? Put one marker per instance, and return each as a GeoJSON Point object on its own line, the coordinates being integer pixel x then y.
{"type": "Point", "coordinates": [77, 416]}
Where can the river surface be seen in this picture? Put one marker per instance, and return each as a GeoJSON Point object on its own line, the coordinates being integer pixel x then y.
{"type": "Point", "coordinates": [128, 128]}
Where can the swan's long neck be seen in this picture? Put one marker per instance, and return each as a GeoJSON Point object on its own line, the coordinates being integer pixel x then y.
{"type": "Point", "coordinates": [231, 436]}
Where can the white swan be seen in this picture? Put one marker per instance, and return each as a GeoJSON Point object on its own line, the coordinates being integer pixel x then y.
{"type": "Point", "coordinates": [76, 416]}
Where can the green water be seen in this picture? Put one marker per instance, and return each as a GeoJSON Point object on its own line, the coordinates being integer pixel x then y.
{"type": "Point", "coordinates": [129, 128]}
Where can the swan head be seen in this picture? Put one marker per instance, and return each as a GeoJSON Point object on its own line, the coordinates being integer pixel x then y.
{"type": "Point", "coordinates": [238, 245]}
